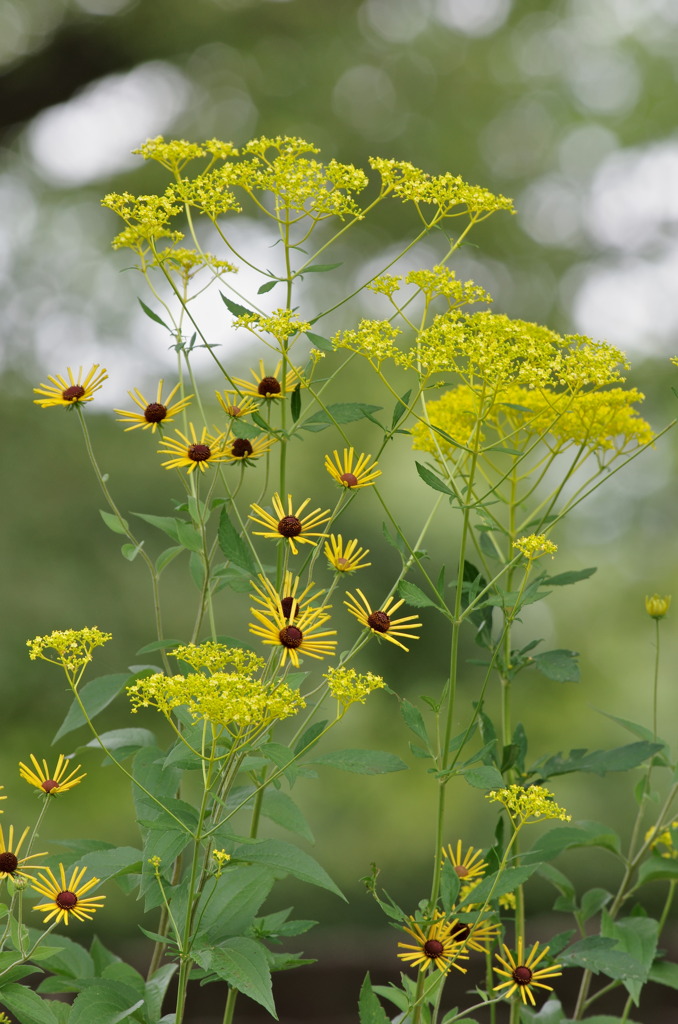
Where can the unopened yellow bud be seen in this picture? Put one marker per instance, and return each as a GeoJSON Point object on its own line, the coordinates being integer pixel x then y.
{"type": "Point", "coordinates": [657, 606]}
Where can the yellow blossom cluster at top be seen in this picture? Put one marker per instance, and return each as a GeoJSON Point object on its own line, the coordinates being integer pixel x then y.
{"type": "Point", "coordinates": [525, 803]}
{"type": "Point", "coordinates": [350, 687]}
{"type": "Point", "coordinates": [147, 219]}
{"type": "Point", "coordinates": [215, 657]}
{"type": "Point", "coordinates": [282, 323]}
{"type": "Point", "coordinates": [70, 648]}
{"type": "Point", "coordinates": [446, 191]}
{"type": "Point", "coordinates": [596, 420]}
{"type": "Point", "coordinates": [535, 545]}
{"type": "Point", "coordinates": [433, 281]}
{"type": "Point", "coordinates": [374, 339]}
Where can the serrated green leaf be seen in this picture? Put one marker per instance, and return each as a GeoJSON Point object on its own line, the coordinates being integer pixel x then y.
{"type": "Point", "coordinates": [550, 1013]}
{"type": "Point", "coordinates": [500, 882]}
{"type": "Point", "coordinates": [120, 860]}
{"type": "Point", "coordinates": [114, 523]}
{"type": "Point", "coordinates": [413, 595]}
{"type": "Point", "coordinates": [362, 762]}
{"type": "Point", "coordinates": [235, 308]}
{"type": "Point", "coordinates": [106, 1002]}
{"type": "Point", "coordinates": [151, 314]}
{"type": "Point", "coordinates": [340, 412]}
{"type": "Point", "coordinates": [564, 837]}
{"type": "Point", "coordinates": [242, 963]}
{"type": "Point", "coordinates": [95, 696]}
{"type": "Point", "coordinates": [324, 344]}
{"type": "Point", "coordinates": [619, 759]}
{"type": "Point", "coordinates": [156, 987]}
{"type": "Point", "coordinates": [433, 480]}
{"type": "Point", "coordinates": [559, 665]}
{"type": "Point", "coordinates": [414, 720]}
{"type": "Point", "coordinates": [601, 955]}
{"type": "Point", "coordinates": [638, 937]}
{"type": "Point", "coordinates": [232, 545]}
{"type": "Point", "coordinates": [26, 1005]}
{"type": "Point", "coordinates": [281, 808]}
{"type": "Point", "coordinates": [370, 1010]}
{"type": "Point", "coordinates": [288, 859]}
{"type": "Point", "coordinates": [483, 776]}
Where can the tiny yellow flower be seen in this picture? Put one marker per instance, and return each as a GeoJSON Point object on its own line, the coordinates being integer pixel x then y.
{"type": "Point", "coordinates": [351, 687]}
{"type": "Point", "coordinates": [523, 803]}
{"type": "Point", "coordinates": [657, 606]}
{"type": "Point", "coordinates": [535, 545]}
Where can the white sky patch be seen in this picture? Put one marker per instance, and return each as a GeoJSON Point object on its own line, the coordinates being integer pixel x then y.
{"type": "Point", "coordinates": [473, 17]}
{"type": "Point", "coordinates": [91, 135]}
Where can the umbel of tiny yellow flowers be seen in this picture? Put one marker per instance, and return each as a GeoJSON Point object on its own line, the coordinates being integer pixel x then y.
{"type": "Point", "coordinates": [290, 525]}
{"type": "Point", "coordinates": [48, 782]}
{"type": "Point", "coordinates": [436, 946]}
{"type": "Point", "coordinates": [380, 620]}
{"type": "Point", "coordinates": [66, 899]}
{"type": "Point", "coordinates": [11, 864]}
{"type": "Point", "coordinates": [531, 802]}
{"type": "Point", "coordinates": [345, 557]}
{"type": "Point", "coordinates": [191, 453]}
{"type": "Point", "coordinates": [351, 687]}
{"type": "Point", "coordinates": [74, 391]}
{"type": "Point", "coordinates": [535, 545]}
{"type": "Point", "coordinates": [664, 841]}
{"type": "Point", "coordinates": [71, 648]}
{"type": "Point", "coordinates": [351, 472]}
{"type": "Point", "coordinates": [521, 972]}
{"type": "Point", "coordinates": [657, 606]}
{"type": "Point", "coordinates": [153, 414]}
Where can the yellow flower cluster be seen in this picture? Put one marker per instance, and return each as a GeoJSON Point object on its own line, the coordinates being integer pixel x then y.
{"type": "Point", "coordinates": [215, 657]}
{"type": "Point", "coordinates": [187, 261]}
{"type": "Point", "coordinates": [374, 339]}
{"type": "Point", "coordinates": [597, 420]}
{"type": "Point", "coordinates": [442, 280]}
{"type": "Point", "coordinates": [147, 219]}
{"type": "Point", "coordinates": [223, 698]}
{"type": "Point", "coordinates": [282, 323]}
{"type": "Point", "coordinates": [446, 191]}
{"type": "Point", "coordinates": [525, 803]}
{"type": "Point", "coordinates": [535, 545]}
{"type": "Point", "coordinates": [72, 647]}
{"type": "Point", "coordinates": [657, 606]}
{"type": "Point", "coordinates": [664, 842]}
{"type": "Point", "coordinates": [350, 687]}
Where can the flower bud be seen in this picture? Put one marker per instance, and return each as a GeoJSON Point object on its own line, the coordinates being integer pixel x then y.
{"type": "Point", "coordinates": [657, 606]}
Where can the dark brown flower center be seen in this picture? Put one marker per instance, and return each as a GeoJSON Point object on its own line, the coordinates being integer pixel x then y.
{"type": "Point", "coordinates": [290, 526]}
{"type": "Point", "coordinates": [8, 863]}
{"type": "Point", "coordinates": [269, 386]}
{"type": "Point", "coordinates": [522, 975]}
{"type": "Point", "coordinates": [73, 393]}
{"type": "Point", "coordinates": [66, 900]}
{"type": "Point", "coordinates": [199, 452]}
{"type": "Point", "coordinates": [434, 948]}
{"type": "Point", "coordinates": [155, 412]}
{"type": "Point", "coordinates": [379, 622]}
{"type": "Point", "coordinates": [290, 636]}
{"type": "Point", "coordinates": [241, 448]}
{"type": "Point", "coordinates": [49, 784]}
{"type": "Point", "coordinates": [460, 932]}
{"type": "Point", "coordinates": [461, 870]}
{"type": "Point", "coordinates": [287, 604]}
{"type": "Point", "coordinates": [350, 479]}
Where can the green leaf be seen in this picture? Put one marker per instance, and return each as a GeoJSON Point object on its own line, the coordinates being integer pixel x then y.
{"type": "Point", "coordinates": [188, 536]}
{"type": "Point", "coordinates": [26, 1005]}
{"type": "Point", "coordinates": [638, 937]}
{"type": "Point", "coordinates": [483, 776]}
{"type": "Point", "coordinates": [310, 736]}
{"type": "Point", "coordinates": [564, 579]}
{"type": "Point", "coordinates": [370, 1010]}
{"type": "Point", "coordinates": [158, 645]}
{"type": "Point", "coordinates": [95, 696]}
{"type": "Point", "coordinates": [130, 551]}
{"type": "Point", "coordinates": [619, 759]}
{"type": "Point", "coordinates": [362, 762]}
{"type": "Point", "coordinates": [281, 808]}
{"type": "Point", "coordinates": [167, 524]}
{"type": "Point", "coordinates": [657, 868]}
{"type": "Point", "coordinates": [500, 882]}
{"type": "Point", "coordinates": [151, 314]}
{"type": "Point", "coordinates": [324, 344]}
{"type": "Point", "coordinates": [233, 546]}
{"type": "Point", "coordinates": [560, 665]}
{"type": "Point", "coordinates": [70, 961]}
{"type": "Point", "coordinates": [665, 973]}
{"type": "Point", "coordinates": [123, 739]}
{"type": "Point", "coordinates": [104, 1002]}
{"type": "Point", "coordinates": [285, 859]}
{"type": "Point", "coordinates": [550, 1013]}
{"type": "Point", "coordinates": [319, 268]}
{"type": "Point", "coordinates": [601, 955]}
{"type": "Point", "coordinates": [167, 556]}
{"type": "Point", "coordinates": [119, 860]}
{"type": "Point", "coordinates": [400, 408]}
{"type": "Point", "coordinates": [266, 286]}
{"type": "Point", "coordinates": [341, 412]}
{"type": "Point", "coordinates": [114, 523]}
{"type": "Point", "coordinates": [156, 989]}
{"type": "Point", "coordinates": [235, 308]}
{"type": "Point", "coordinates": [433, 480]}
{"type": "Point", "coordinates": [584, 833]}
{"type": "Point", "coordinates": [605, 1018]}
{"type": "Point", "coordinates": [411, 593]}
{"type": "Point", "coordinates": [242, 963]}
{"type": "Point", "coordinates": [229, 909]}
{"type": "Point", "coordinates": [592, 902]}
{"type": "Point", "coordinates": [414, 720]}
{"type": "Point", "coordinates": [633, 727]}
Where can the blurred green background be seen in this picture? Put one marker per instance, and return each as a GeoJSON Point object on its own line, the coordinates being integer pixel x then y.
{"type": "Point", "coordinates": [568, 107]}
